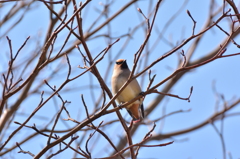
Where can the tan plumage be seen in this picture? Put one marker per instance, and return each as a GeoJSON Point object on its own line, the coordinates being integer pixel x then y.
{"type": "Point", "coordinates": [120, 75]}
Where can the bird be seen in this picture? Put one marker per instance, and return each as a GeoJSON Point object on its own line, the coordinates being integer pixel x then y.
{"type": "Point", "coordinates": [120, 75]}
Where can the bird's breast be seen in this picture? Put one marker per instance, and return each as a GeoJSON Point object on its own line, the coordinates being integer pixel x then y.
{"type": "Point", "coordinates": [129, 91]}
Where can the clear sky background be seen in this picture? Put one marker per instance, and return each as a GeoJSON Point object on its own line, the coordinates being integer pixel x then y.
{"type": "Point", "coordinates": [204, 143]}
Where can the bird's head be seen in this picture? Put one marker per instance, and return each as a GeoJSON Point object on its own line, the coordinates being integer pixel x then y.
{"type": "Point", "coordinates": [121, 63]}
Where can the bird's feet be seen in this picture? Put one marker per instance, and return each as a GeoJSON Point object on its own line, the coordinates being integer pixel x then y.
{"type": "Point", "coordinates": [143, 95]}
{"type": "Point", "coordinates": [120, 105]}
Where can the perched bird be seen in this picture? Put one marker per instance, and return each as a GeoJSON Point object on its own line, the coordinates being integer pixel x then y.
{"type": "Point", "coordinates": [120, 75]}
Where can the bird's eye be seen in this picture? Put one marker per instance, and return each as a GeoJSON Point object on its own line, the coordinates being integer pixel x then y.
{"type": "Point", "coordinates": [118, 63]}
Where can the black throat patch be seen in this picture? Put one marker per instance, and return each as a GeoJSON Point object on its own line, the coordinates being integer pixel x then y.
{"type": "Point", "coordinates": [124, 65]}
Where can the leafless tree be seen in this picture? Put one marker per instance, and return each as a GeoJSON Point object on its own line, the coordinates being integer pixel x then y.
{"type": "Point", "coordinates": [55, 91]}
